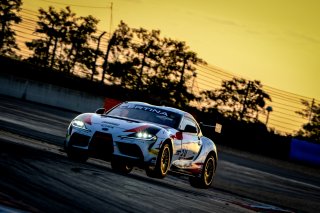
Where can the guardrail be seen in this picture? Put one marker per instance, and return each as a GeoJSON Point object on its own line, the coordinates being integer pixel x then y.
{"type": "Point", "coordinates": [49, 94]}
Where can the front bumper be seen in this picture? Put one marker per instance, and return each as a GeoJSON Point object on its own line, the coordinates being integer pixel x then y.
{"type": "Point", "coordinates": [105, 146]}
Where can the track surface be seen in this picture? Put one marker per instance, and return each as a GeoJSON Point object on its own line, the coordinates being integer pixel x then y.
{"type": "Point", "coordinates": [36, 176]}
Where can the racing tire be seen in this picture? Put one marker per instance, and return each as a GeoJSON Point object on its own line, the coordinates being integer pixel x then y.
{"type": "Point", "coordinates": [77, 155]}
{"type": "Point", "coordinates": [163, 163]}
{"type": "Point", "coordinates": [207, 175]}
{"type": "Point", "coordinates": [120, 166]}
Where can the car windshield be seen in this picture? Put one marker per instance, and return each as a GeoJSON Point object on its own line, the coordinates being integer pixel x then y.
{"type": "Point", "coordinates": [147, 113]}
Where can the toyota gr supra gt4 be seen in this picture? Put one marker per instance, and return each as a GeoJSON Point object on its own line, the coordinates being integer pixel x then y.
{"type": "Point", "coordinates": [156, 138]}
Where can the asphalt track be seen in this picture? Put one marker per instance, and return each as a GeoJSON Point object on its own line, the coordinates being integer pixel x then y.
{"type": "Point", "coordinates": [36, 176]}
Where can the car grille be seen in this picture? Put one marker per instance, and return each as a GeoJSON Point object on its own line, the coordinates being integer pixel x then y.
{"type": "Point", "coordinates": [102, 145]}
{"type": "Point", "coordinates": [79, 140]}
{"type": "Point", "coordinates": [130, 150]}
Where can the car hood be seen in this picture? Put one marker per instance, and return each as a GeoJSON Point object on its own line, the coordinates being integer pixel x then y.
{"type": "Point", "coordinates": [112, 124]}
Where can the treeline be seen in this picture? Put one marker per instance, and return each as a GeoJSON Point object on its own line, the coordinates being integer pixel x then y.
{"type": "Point", "coordinates": [139, 60]}
{"type": "Point", "coordinates": [135, 59]}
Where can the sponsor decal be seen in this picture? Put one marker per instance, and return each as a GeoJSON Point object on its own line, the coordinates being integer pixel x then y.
{"type": "Point", "coordinates": [149, 109]}
{"type": "Point", "coordinates": [107, 122]}
{"type": "Point", "coordinates": [107, 126]}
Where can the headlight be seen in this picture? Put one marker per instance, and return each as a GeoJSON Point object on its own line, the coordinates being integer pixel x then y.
{"type": "Point", "coordinates": [78, 124]}
{"type": "Point", "coordinates": [142, 136]}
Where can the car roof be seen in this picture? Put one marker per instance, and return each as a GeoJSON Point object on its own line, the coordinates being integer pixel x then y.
{"type": "Point", "coordinates": [171, 109]}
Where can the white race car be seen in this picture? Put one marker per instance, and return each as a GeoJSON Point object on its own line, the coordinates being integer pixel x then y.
{"type": "Point", "coordinates": [156, 138]}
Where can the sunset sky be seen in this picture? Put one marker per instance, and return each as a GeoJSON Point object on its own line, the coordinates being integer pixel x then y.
{"type": "Point", "coordinates": [274, 41]}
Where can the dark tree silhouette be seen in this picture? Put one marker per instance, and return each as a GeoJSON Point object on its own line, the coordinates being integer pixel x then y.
{"type": "Point", "coordinates": [239, 99]}
{"type": "Point", "coordinates": [147, 50]}
{"type": "Point", "coordinates": [139, 59]}
{"type": "Point", "coordinates": [98, 53]}
{"type": "Point", "coordinates": [163, 83]}
{"type": "Point", "coordinates": [184, 61]}
{"type": "Point", "coordinates": [65, 42]}
{"type": "Point", "coordinates": [79, 37]}
{"type": "Point", "coordinates": [9, 16]}
{"type": "Point", "coordinates": [190, 59]}
{"type": "Point", "coordinates": [135, 58]}
{"type": "Point", "coordinates": [310, 130]}
{"type": "Point", "coordinates": [173, 66]}
{"type": "Point", "coordinates": [120, 50]}
{"type": "Point", "coordinates": [54, 26]}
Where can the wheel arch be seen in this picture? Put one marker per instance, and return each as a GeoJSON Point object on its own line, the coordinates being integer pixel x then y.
{"type": "Point", "coordinates": [210, 147]}
{"type": "Point", "coordinates": [170, 143]}
{"type": "Point", "coordinates": [215, 156]}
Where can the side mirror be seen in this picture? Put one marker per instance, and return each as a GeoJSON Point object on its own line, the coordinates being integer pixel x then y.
{"type": "Point", "coordinates": [100, 111]}
{"type": "Point", "coordinates": [190, 129]}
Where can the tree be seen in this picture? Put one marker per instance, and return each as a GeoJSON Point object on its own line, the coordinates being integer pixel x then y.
{"type": "Point", "coordinates": [140, 59]}
{"type": "Point", "coordinates": [120, 50]}
{"type": "Point", "coordinates": [176, 67]}
{"type": "Point", "coordinates": [146, 50]}
{"type": "Point", "coordinates": [78, 39]}
{"type": "Point", "coordinates": [66, 41]}
{"type": "Point", "coordinates": [8, 16]}
{"type": "Point", "coordinates": [54, 26]}
{"type": "Point", "coordinates": [310, 130]}
{"type": "Point", "coordinates": [239, 99]}
{"type": "Point", "coordinates": [189, 61]}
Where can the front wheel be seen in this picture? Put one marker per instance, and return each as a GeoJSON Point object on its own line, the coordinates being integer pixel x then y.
{"type": "Point", "coordinates": [163, 163]}
{"type": "Point", "coordinates": [77, 154]}
{"type": "Point", "coordinates": [121, 166]}
{"type": "Point", "coordinates": [207, 175]}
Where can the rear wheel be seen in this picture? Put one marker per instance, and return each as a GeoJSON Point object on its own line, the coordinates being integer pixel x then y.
{"type": "Point", "coordinates": [207, 175]}
{"type": "Point", "coordinates": [121, 166]}
{"type": "Point", "coordinates": [163, 163]}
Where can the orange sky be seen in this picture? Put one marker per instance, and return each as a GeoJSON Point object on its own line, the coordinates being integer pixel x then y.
{"type": "Point", "coordinates": [274, 41]}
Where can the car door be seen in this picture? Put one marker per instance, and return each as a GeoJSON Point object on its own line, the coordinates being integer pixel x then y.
{"type": "Point", "coordinates": [191, 143]}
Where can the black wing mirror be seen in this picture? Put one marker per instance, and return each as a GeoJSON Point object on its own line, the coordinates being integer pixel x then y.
{"type": "Point", "coordinates": [191, 129]}
{"type": "Point", "coordinates": [100, 111]}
